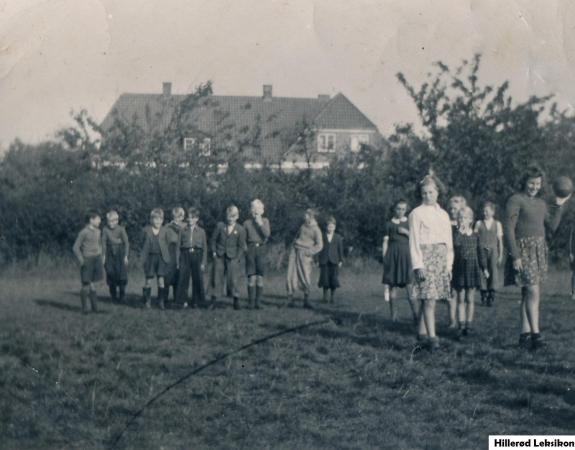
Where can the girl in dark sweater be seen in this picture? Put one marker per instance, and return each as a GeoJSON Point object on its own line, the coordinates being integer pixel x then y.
{"type": "Point", "coordinates": [526, 218]}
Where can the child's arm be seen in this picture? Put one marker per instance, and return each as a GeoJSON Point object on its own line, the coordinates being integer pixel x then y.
{"type": "Point", "coordinates": [385, 244]}
{"type": "Point", "coordinates": [499, 242]}
{"type": "Point", "coordinates": [214, 239]}
{"type": "Point", "coordinates": [340, 250]}
{"type": "Point", "coordinates": [318, 242]}
{"type": "Point", "coordinates": [205, 255]}
{"type": "Point", "coordinates": [242, 243]}
{"type": "Point", "coordinates": [571, 254]}
{"type": "Point", "coordinates": [126, 242]}
{"type": "Point", "coordinates": [145, 247]}
{"type": "Point", "coordinates": [104, 245]}
{"type": "Point", "coordinates": [77, 248]}
{"type": "Point", "coordinates": [511, 216]}
{"type": "Point", "coordinates": [414, 244]}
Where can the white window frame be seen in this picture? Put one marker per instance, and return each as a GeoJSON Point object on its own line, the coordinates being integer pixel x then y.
{"type": "Point", "coordinates": [356, 141]}
{"type": "Point", "coordinates": [204, 147]}
{"type": "Point", "coordinates": [323, 142]}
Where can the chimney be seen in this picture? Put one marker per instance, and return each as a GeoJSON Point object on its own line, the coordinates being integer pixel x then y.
{"type": "Point", "coordinates": [323, 97]}
{"type": "Point", "coordinates": [166, 88]}
{"type": "Point", "coordinates": [267, 92]}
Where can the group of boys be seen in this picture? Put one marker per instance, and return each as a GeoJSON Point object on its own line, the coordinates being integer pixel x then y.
{"type": "Point", "coordinates": [176, 256]}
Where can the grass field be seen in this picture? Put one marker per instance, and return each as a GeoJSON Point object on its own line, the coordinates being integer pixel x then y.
{"type": "Point", "coordinates": [73, 381]}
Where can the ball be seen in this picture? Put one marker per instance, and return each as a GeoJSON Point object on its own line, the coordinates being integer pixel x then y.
{"type": "Point", "coordinates": [563, 186]}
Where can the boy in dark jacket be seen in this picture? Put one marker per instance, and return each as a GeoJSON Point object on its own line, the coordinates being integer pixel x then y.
{"type": "Point", "coordinates": [330, 260]}
{"type": "Point", "coordinates": [115, 249]}
{"type": "Point", "coordinates": [228, 246]}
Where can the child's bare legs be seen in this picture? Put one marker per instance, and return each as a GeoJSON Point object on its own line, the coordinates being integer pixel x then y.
{"type": "Point", "coordinates": [412, 302]}
{"type": "Point", "coordinates": [429, 317]}
{"type": "Point", "coordinates": [470, 307]}
{"type": "Point", "coordinates": [461, 307]}
{"type": "Point", "coordinates": [452, 305]}
{"type": "Point", "coordinates": [392, 298]}
{"type": "Point", "coordinates": [421, 328]}
{"type": "Point", "coordinates": [573, 285]}
{"type": "Point", "coordinates": [532, 307]}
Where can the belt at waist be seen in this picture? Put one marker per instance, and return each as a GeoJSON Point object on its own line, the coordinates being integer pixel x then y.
{"type": "Point", "coordinates": [192, 249]}
{"type": "Point", "coordinates": [255, 244]}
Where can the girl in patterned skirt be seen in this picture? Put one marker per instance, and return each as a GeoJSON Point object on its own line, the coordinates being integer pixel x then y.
{"type": "Point", "coordinates": [431, 251]}
{"type": "Point", "coordinates": [526, 218]}
{"type": "Point", "coordinates": [397, 271]}
{"type": "Point", "coordinates": [467, 268]}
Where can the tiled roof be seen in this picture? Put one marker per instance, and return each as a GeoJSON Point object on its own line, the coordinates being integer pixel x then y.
{"type": "Point", "coordinates": [235, 115]}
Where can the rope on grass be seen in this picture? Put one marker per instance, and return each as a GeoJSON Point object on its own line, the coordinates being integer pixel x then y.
{"type": "Point", "coordinates": [208, 364]}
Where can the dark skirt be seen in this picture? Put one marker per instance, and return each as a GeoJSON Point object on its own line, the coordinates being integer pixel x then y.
{"type": "Point", "coordinates": [533, 253]}
{"type": "Point", "coordinates": [115, 266]}
{"type": "Point", "coordinates": [328, 276]}
{"type": "Point", "coordinates": [397, 270]}
{"type": "Point", "coordinates": [466, 274]}
{"type": "Point", "coordinates": [155, 266]}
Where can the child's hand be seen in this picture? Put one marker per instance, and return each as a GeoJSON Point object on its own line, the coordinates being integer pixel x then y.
{"type": "Point", "coordinates": [486, 273]}
{"type": "Point", "coordinates": [403, 231]}
{"type": "Point", "coordinates": [340, 263]}
{"type": "Point", "coordinates": [571, 257]}
{"type": "Point", "coordinates": [202, 268]}
{"type": "Point", "coordinates": [517, 265]}
{"type": "Point", "coordinates": [126, 260]}
{"type": "Point", "coordinates": [214, 254]}
{"type": "Point", "coordinates": [419, 275]}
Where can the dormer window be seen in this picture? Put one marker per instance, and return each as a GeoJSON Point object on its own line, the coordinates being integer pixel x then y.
{"type": "Point", "coordinates": [326, 143]}
{"type": "Point", "coordinates": [204, 146]}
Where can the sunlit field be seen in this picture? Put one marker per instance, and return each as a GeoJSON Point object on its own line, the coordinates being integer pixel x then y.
{"type": "Point", "coordinates": [355, 381]}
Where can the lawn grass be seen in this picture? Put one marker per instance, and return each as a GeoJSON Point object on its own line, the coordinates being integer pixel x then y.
{"type": "Point", "coordinates": [69, 381]}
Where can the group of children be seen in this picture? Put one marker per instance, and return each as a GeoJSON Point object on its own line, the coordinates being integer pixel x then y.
{"type": "Point", "coordinates": [441, 256]}
{"type": "Point", "coordinates": [433, 254]}
{"type": "Point", "coordinates": [176, 256]}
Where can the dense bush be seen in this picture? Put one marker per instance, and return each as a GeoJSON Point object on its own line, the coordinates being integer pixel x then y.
{"type": "Point", "coordinates": [475, 138]}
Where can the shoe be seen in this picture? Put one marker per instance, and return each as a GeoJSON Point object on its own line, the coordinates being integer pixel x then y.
{"type": "Point", "coordinates": [524, 340]}
{"type": "Point", "coordinates": [537, 341]}
{"type": "Point", "coordinates": [460, 333]}
{"type": "Point", "coordinates": [236, 303]}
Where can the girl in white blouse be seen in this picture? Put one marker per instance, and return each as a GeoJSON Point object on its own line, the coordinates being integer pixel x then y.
{"type": "Point", "coordinates": [431, 250]}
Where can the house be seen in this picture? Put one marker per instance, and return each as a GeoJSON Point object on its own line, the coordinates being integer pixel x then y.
{"type": "Point", "coordinates": [282, 132]}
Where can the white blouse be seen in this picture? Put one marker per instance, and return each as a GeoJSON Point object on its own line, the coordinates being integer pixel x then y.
{"type": "Point", "coordinates": [429, 224]}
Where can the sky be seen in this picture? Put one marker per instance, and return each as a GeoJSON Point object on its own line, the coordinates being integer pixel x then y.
{"type": "Point", "coordinates": [58, 56]}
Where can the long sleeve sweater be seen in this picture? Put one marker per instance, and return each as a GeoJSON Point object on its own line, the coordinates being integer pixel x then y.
{"type": "Point", "coordinates": [528, 217]}
{"type": "Point", "coordinates": [88, 243]}
{"type": "Point", "coordinates": [309, 239]}
{"type": "Point", "coordinates": [115, 236]}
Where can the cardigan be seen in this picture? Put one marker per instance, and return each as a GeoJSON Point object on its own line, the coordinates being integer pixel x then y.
{"type": "Point", "coordinates": [148, 244]}
{"type": "Point", "coordinates": [429, 224]}
{"type": "Point", "coordinates": [309, 239]}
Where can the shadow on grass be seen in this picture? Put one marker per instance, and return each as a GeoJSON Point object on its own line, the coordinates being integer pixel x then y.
{"type": "Point", "coordinates": [62, 306]}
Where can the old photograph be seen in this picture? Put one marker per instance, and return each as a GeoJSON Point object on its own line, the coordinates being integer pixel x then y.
{"type": "Point", "coordinates": [287, 224]}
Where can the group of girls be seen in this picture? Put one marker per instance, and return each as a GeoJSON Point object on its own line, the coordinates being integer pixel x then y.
{"type": "Point", "coordinates": [440, 256]}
